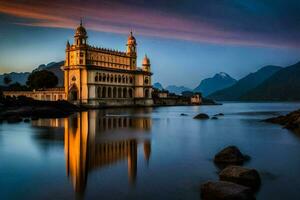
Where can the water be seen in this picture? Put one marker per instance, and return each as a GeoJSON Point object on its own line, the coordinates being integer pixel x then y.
{"type": "Point", "coordinates": [145, 153]}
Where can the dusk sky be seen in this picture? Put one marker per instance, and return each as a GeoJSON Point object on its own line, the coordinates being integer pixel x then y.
{"type": "Point", "coordinates": [186, 40]}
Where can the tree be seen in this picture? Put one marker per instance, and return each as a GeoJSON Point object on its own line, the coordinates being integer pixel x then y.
{"type": "Point", "coordinates": [7, 80]}
{"type": "Point", "coordinates": [42, 79]}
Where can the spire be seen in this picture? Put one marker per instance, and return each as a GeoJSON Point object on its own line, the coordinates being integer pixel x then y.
{"type": "Point", "coordinates": [80, 21]}
{"type": "Point", "coordinates": [68, 44]}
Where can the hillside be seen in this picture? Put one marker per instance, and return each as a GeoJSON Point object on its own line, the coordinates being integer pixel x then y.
{"type": "Point", "coordinates": [158, 86]}
{"type": "Point", "coordinates": [245, 84]}
{"type": "Point", "coordinates": [283, 85]}
{"type": "Point", "coordinates": [217, 82]}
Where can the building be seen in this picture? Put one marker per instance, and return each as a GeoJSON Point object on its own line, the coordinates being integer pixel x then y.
{"type": "Point", "coordinates": [98, 77]}
{"type": "Point", "coordinates": [102, 77]}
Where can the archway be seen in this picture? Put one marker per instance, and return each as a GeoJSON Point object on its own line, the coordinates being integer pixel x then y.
{"type": "Point", "coordinates": [146, 93]}
{"type": "Point", "coordinates": [73, 93]}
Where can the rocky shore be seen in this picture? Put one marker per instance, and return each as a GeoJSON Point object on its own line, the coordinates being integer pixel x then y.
{"type": "Point", "coordinates": [290, 121]}
{"type": "Point", "coordinates": [14, 110]}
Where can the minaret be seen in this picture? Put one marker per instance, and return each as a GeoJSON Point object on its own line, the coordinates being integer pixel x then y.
{"type": "Point", "coordinates": [146, 64]}
{"type": "Point", "coordinates": [131, 50]}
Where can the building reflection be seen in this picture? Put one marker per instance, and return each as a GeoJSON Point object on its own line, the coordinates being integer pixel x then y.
{"type": "Point", "coordinates": [88, 144]}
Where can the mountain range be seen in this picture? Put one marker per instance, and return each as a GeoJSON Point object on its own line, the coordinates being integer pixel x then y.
{"type": "Point", "coordinates": [244, 85]}
{"type": "Point", "coordinates": [217, 82]}
{"type": "Point", "coordinates": [284, 85]}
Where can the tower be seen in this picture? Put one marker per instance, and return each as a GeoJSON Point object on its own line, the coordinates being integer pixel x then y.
{"type": "Point", "coordinates": [131, 50]}
{"type": "Point", "coordinates": [80, 37]}
{"type": "Point", "coordinates": [146, 64]}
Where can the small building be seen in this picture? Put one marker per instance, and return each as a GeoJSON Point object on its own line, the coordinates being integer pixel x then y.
{"type": "Point", "coordinates": [196, 99]}
{"type": "Point", "coordinates": [49, 94]}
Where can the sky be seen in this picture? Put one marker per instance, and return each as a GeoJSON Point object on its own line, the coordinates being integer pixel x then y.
{"type": "Point", "coordinates": [186, 40]}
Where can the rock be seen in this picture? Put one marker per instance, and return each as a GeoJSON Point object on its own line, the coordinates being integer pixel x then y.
{"type": "Point", "coordinates": [214, 117]}
{"type": "Point", "coordinates": [241, 175]}
{"type": "Point", "coordinates": [219, 114]}
{"type": "Point", "coordinates": [26, 120]}
{"type": "Point", "coordinates": [290, 121]}
{"type": "Point", "coordinates": [14, 119]}
{"type": "Point", "coordinates": [201, 116]}
{"type": "Point", "coordinates": [183, 114]}
{"type": "Point", "coordinates": [230, 155]}
{"type": "Point", "coordinates": [222, 190]}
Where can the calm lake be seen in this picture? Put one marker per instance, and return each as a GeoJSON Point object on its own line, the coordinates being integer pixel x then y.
{"type": "Point", "coordinates": [145, 153]}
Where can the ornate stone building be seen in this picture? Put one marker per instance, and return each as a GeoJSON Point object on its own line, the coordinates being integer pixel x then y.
{"type": "Point", "coordinates": [102, 77]}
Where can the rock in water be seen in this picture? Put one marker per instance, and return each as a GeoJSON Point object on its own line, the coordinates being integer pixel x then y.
{"type": "Point", "coordinates": [241, 175]}
{"type": "Point", "coordinates": [222, 190]}
{"type": "Point", "coordinates": [183, 114]}
{"type": "Point", "coordinates": [230, 155]}
{"type": "Point", "coordinates": [201, 116]}
{"type": "Point", "coordinates": [214, 117]}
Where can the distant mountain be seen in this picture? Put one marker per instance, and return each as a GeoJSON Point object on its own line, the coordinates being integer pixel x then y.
{"type": "Point", "coordinates": [55, 68]}
{"type": "Point", "coordinates": [177, 89]}
{"type": "Point", "coordinates": [158, 86]}
{"type": "Point", "coordinates": [20, 77]}
{"type": "Point", "coordinates": [217, 82]}
{"type": "Point", "coordinates": [284, 85]}
{"type": "Point", "coordinates": [244, 85]}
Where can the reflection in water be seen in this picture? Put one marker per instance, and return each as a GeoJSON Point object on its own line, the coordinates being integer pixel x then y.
{"type": "Point", "coordinates": [90, 144]}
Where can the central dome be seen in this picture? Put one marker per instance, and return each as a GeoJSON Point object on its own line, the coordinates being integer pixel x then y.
{"type": "Point", "coordinates": [80, 31]}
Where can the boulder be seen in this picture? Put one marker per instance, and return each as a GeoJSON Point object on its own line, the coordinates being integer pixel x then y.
{"type": "Point", "coordinates": [201, 116]}
{"type": "Point", "coordinates": [230, 155]}
{"type": "Point", "coordinates": [241, 175]}
{"type": "Point", "coordinates": [214, 117]}
{"type": "Point", "coordinates": [183, 114]}
{"type": "Point", "coordinates": [26, 120]}
{"type": "Point", "coordinates": [222, 190]}
{"type": "Point", "coordinates": [219, 114]}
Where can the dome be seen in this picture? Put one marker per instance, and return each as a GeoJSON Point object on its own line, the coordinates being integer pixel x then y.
{"type": "Point", "coordinates": [80, 31]}
{"type": "Point", "coordinates": [131, 39]}
{"type": "Point", "coordinates": [146, 60]}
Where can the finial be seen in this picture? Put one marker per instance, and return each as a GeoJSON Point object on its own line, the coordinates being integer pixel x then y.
{"type": "Point", "coordinates": [68, 43]}
{"type": "Point", "coordinates": [80, 21]}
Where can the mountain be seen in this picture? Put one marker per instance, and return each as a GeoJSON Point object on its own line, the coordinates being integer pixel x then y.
{"type": "Point", "coordinates": [55, 68]}
{"type": "Point", "coordinates": [244, 85]}
{"type": "Point", "coordinates": [158, 86]}
{"type": "Point", "coordinates": [284, 85]}
{"type": "Point", "coordinates": [20, 77]}
{"type": "Point", "coordinates": [177, 89]}
{"type": "Point", "coordinates": [217, 82]}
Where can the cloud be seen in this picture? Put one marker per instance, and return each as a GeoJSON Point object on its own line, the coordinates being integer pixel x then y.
{"type": "Point", "coordinates": [121, 16]}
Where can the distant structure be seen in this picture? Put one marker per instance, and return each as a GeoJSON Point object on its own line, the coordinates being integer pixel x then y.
{"type": "Point", "coordinates": [102, 77]}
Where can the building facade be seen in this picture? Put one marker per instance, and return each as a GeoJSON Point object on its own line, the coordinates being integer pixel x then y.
{"type": "Point", "coordinates": [102, 77]}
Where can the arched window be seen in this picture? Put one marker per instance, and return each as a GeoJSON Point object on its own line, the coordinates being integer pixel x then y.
{"type": "Point", "coordinates": [109, 92]}
{"type": "Point", "coordinates": [124, 93]}
{"type": "Point", "coordinates": [126, 79]}
{"type": "Point", "coordinates": [130, 93]}
{"type": "Point", "coordinates": [116, 78]}
{"type": "Point", "coordinates": [100, 77]}
{"type": "Point", "coordinates": [146, 81]}
{"type": "Point", "coordinates": [119, 93]}
{"type": "Point", "coordinates": [119, 78]}
{"type": "Point", "coordinates": [99, 92]}
{"type": "Point", "coordinates": [123, 79]}
{"type": "Point", "coordinates": [96, 78]}
{"type": "Point", "coordinates": [104, 77]}
{"type": "Point", "coordinates": [112, 78]}
{"type": "Point", "coordinates": [104, 92]}
{"type": "Point", "coordinates": [107, 79]}
{"type": "Point", "coordinates": [130, 80]}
